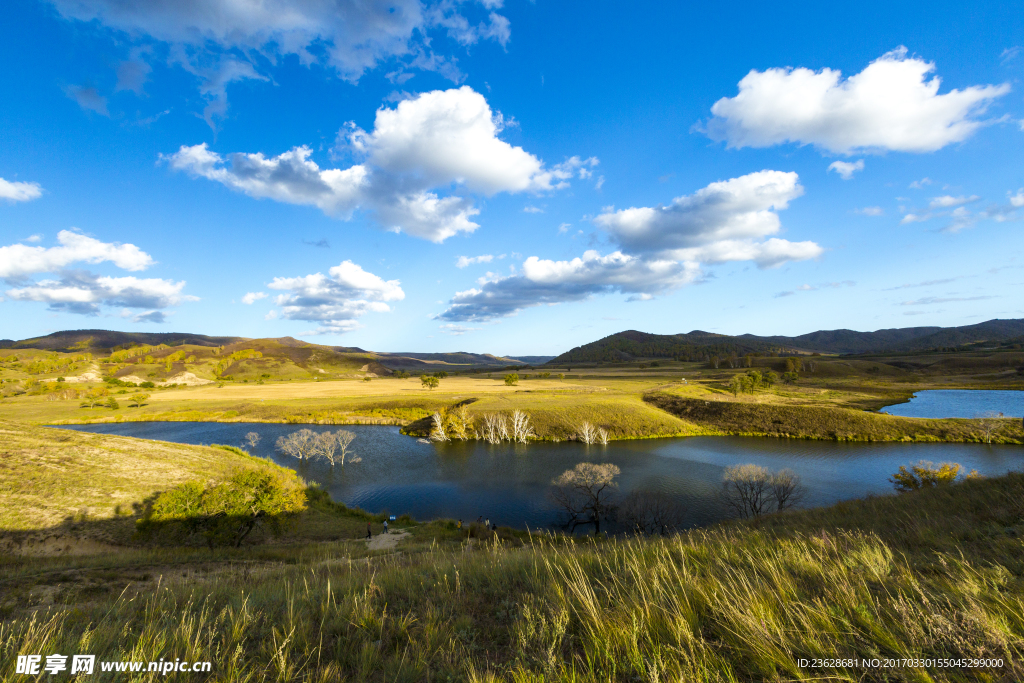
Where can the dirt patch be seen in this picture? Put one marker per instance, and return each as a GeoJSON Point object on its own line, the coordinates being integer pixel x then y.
{"type": "Point", "coordinates": [90, 375]}
{"type": "Point", "coordinates": [52, 545]}
{"type": "Point", "coordinates": [186, 378]}
{"type": "Point", "coordinates": [387, 541]}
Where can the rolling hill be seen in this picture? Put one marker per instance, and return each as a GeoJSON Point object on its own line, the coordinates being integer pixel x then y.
{"type": "Point", "coordinates": [699, 345]}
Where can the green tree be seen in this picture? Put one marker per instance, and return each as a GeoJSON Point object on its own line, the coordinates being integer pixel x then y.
{"type": "Point", "coordinates": [225, 513]}
{"type": "Point", "coordinates": [430, 382]}
{"type": "Point", "coordinates": [441, 375]}
{"type": "Point", "coordinates": [926, 475]}
{"type": "Point", "coordinates": [736, 385]}
{"type": "Point", "coordinates": [511, 379]}
{"type": "Point", "coordinates": [770, 378]}
{"type": "Point", "coordinates": [112, 403]}
{"type": "Point", "coordinates": [138, 399]}
{"type": "Point", "coordinates": [755, 378]}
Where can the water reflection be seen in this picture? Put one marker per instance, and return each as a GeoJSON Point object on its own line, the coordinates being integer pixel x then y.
{"type": "Point", "coordinates": [509, 484]}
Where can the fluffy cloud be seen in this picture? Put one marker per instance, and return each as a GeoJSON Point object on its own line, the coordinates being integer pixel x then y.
{"type": "Point", "coordinates": [846, 169]}
{"type": "Point", "coordinates": [551, 282]}
{"type": "Point", "coordinates": [220, 41]}
{"type": "Point", "coordinates": [18, 260]}
{"type": "Point", "coordinates": [336, 301]}
{"type": "Point", "coordinates": [252, 297]}
{"type": "Point", "coordinates": [710, 223]}
{"type": "Point", "coordinates": [14, 191]}
{"type": "Point", "coordinates": [448, 136]}
{"type": "Point", "coordinates": [660, 248]}
{"type": "Point", "coordinates": [464, 261]}
{"type": "Point", "coordinates": [890, 105]}
{"type": "Point", "coordinates": [290, 177]}
{"type": "Point", "coordinates": [439, 139]}
{"type": "Point", "coordinates": [1016, 200]}
{"type": "Point", "coordinates": [82, 292]}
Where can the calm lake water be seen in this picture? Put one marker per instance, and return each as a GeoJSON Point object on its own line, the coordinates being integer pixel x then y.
{"type": "Point", "coordinates": [960, 403]}
{"type": "Point", "coordinates": [509, 484]}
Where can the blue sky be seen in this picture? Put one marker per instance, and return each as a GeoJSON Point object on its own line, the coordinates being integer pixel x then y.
{"type": "Point", "coordinates": [507, 177]}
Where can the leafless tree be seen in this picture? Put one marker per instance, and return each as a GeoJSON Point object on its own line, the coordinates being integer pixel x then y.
{"type": "Point", "coordinates": [788, 489]}
{"type": "Point", "coordinates": [495, 428]}
{"type": "Point", "coordinates": [253, 439]}
{"type": "Point", "coordinates": [333, 446]}
{"type": "Point", "coordinates": [652, 512]}
{"type": "Point", "coordinates": [585, 493]}
{"type": "Point", "coordinates": [989, 424]}
{"type": "Point", "coordinates": [521, 429]}
{"type": "Point", "coordinates": [587, 433]}
{"type": "Point", "coordinates": [438, 432]}
{"type": "Point", "coordinates": [300, 444]}
{"type": "Point", "coordinates": [602, 436]}
{"type": "Point", "coordinates": [752, 490]}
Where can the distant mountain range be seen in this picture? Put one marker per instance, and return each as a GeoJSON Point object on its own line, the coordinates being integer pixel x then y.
{"type": "Point", "coordinates": [623, 346]}
{"type": "Point", "coordinates": [105, 341]}
{"type": "Point", "coordinates": [698, 345]}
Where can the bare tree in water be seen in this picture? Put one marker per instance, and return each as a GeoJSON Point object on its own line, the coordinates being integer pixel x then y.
{"type": "Point", "coordinates": [585, 493]}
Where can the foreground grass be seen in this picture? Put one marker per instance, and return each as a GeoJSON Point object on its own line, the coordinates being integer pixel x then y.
{"type": "Point", "coordinates": [734, 603]}
{"type": "Point", "coordinates": [932, 574]}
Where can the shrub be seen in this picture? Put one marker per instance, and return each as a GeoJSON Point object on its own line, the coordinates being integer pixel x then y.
{"type": "Point", "coordinates": [224, 513]}
{"type": "Point", "coordinates": [925, 475]}
{"type": "Point", "coordinates": [511, 379]}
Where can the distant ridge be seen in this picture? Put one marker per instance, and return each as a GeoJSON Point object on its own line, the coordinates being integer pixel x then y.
{"type": "Point", "coordinates": [105, 340]}
{"type": "Point", "coordinates": [699, 345]}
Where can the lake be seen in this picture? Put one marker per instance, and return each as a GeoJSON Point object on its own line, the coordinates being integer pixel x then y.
{"type": "Point", "coordinates": [509, 484]}
{"type": "Point", "coordinates": [960, 403]}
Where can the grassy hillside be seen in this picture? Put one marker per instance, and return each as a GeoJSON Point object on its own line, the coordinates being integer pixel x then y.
{"type": "Point", "coordinates": [50, 476]}
{"type": "Point", "coordinates": [935, 574]}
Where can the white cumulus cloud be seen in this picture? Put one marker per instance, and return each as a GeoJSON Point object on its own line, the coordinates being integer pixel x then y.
{"type": "Point", "coordinates": [724, 218]}
{"type": "Point", "coordinates": [891, 105]}
{"type": "Point", "coordinates": [19, 260]}
{"type": "Point", "coordinates": [14, 191]}
{"type": "Point", "coordinates": [660, 249]}
{"type": "Point", "coordinates": [437, 141]}
{"type": "Point", "coordinates": [336, 301]}
{"type": "Point", "coordinates": [252, 297]}
{"type": "Point", "coordinates": [82, 292]}
{"type": "Point", "coordinates": [846, 169]}
{"type": "Point", "coordinates": [550, 282]}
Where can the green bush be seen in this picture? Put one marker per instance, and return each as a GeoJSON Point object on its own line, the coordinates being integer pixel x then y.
{"type": "Point", "coordinates": [224, 514]}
